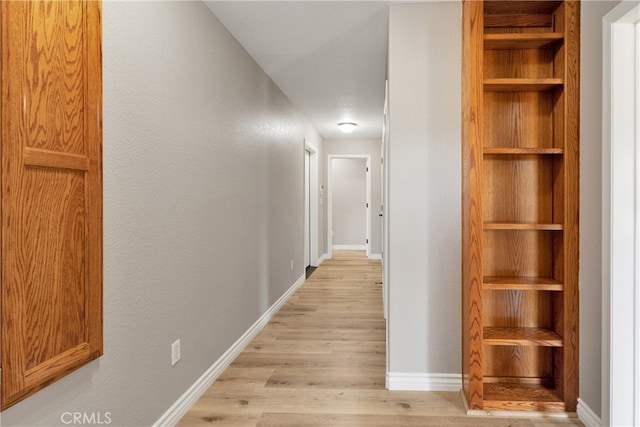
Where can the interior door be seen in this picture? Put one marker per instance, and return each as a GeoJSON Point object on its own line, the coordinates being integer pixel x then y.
{"type": "Point", "coordinates": [51, 182]}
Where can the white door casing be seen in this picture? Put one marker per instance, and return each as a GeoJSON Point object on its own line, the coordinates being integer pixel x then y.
{"type": "Point", "coordinates": [313, 203]}
{"type": "Point", "coordinates": [620, 217]}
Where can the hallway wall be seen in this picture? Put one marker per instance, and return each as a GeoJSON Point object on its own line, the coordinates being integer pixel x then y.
{"type": "Point", "coordinates": [424, 190]}
{"type": "Point", "coordinates": [203, 200]}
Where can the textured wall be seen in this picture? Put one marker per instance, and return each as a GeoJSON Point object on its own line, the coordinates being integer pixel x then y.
{"type": "Point", "coordinates": [203, 209]}
{"type": "Point", "coordinates": [424, 188]}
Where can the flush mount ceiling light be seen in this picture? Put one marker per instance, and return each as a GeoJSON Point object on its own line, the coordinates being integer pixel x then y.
{"type": "Point", "coordinates": [347, 127]}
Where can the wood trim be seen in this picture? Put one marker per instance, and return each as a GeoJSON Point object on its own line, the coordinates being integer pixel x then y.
{"type": "Point", "coordinates": [522, 283]}
{"type": "Point", "coordinates": [522, 151]}
{"type": "Point", "coordinates": [521, 336]}
{"type": "Point", "coordinates": [522, 40]}
{"type": "Point", "coordinates": [522, 226]}
{"type": "Point", "coordinates": [524, 20]}
{"type": "Point", "coordinates": [51, 368]}
{"type": "Point", "coordinates": [521, 85]}
{"type": "Point", "coordinates": [93, 127]}
{"type": "Point", "coordinates": [571, 300]}
{"type": "Point", "coordinates": [51, 159]}
{"type": "Point", "coordinates": [472, 223]}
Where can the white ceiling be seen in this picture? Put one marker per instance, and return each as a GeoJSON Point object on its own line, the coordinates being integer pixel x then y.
{"type": "Point", "coordinates": [328, 57]}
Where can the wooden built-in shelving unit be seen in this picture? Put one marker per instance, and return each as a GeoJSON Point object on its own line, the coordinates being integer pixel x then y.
{"type": "Point", "coordinates": [520, 205]}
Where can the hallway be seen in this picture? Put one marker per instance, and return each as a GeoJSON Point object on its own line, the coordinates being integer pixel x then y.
{"type": "Point", "coordinates": [321, 362]}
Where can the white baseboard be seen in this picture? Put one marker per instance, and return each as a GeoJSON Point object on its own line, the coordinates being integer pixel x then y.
{"type": "Point", "coordinates": [423, 382]}
{"type": "Point", "coordinates": [197, 389]}
{"type": "Point", "coordinates": [322, 259]}
{"type": "Point", "coordinates": [349, 247]}
{"type": "Point", "coordinates": [375, 256]}
{"type": "Point", "coordinates": [587, 416]}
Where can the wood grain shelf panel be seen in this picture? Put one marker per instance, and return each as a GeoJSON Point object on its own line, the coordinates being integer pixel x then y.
{"type": "Point", "coordinates": [535, 7]}
{"type": "Point", "coordinates": [522, 397]}
{"type": "Point", "coordinates": [521, 283]}
{"type": "Point", "coordinates": [522, 40]}
{"type": "Point", "coordinates": [522, 85]}
{"type": "Point", "coordinates": [522, 226]}
{"type": "Point", "coordinates": [522, 151]}
{"type": "Point", "coordinates": [493, 335]}
{"type": "Point", "coordinates": [520, 138]}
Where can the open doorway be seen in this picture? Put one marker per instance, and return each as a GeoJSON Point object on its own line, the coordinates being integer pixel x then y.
{"type": "Point", "coordinates": [349, 202]}
{"type": "Point", "coordinates": [310, 249]}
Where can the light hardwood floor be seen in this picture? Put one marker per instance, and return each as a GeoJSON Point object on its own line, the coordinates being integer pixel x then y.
{"type": "Point", "coordinates": [320, 362]}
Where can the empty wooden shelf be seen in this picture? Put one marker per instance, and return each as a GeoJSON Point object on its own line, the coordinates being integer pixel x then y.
{"type": "Point", "coordinates": [520, 90]}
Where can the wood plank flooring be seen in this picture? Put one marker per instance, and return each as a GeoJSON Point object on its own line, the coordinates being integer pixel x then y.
{"type": "Point", "coordinates": [320, 362]}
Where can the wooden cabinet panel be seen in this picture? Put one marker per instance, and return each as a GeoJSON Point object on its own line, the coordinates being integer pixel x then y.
{"type": "Point", "coordinates": [51, 180]}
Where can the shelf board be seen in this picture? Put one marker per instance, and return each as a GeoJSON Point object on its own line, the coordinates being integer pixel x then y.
{"type": "Point", "coordinates": [522, 226]}
{"type": "Point", "coordinates": [521, 85]}
{"type": "Point", "coordinates": [522, 151]}
{"type": "Point", "coordinates": [521, 283]}
{"type": "Point", "coordinates": [522, 40]}
{"type": "Point", "coordinates": [540, 337]}
{"type": "Point", "coordinates": [521, 397]}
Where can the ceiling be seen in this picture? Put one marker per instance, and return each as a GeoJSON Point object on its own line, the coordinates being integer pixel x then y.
{"type": "Point", "coordinates": [328, 57]}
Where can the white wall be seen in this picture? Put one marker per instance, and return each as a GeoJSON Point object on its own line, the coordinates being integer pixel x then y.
{"type": "Point", "coordinates": [203, 209]}
{"type": "Point", "coordinates": [424, 188]}
{"type": "Point", "coordinates": [590, 201]}
{"type": "Point", "coordinates": [349, 192]}
{"type": "Point", "coordinates": [369, 147]}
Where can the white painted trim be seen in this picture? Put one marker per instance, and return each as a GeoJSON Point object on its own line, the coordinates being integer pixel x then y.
{"type": "Point", "coordinates": [620, 221]}
{"type": "Point", "coordinates": [330, 157]}
{"type": "Point", "coordinates": [322, 259]}
{"type": "Point", "coordinates": [349, 247]}
{"type": "Point", "coordinates": [314, 202]}
{"type": "Point", "coordinates": [197, 389]}
{"type": "Point", "coordinates": [375, 256]}
{"type": "Point", "coordinates": [423, 382]}
{"type": "Point", "coordinates": [587, 416]}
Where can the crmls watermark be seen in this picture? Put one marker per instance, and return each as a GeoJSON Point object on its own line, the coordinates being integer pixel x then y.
{"type": "Point", "coordinates": [86, 418]}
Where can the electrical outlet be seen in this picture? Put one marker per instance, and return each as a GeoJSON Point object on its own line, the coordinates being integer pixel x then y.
{"type": "Point", "coordinates": [175, 352]}
{"type": "Point", "coordinates": [291, 265]}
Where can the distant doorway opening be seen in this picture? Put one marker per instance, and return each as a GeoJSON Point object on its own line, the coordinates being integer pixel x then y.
{"type": "Point", "coordinates": [348, 202]}
{"type": "Point", "coordinates": [310, 249]}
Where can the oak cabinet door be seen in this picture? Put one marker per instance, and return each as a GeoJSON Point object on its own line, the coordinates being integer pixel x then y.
{"type": "Point", "coordinates": [51, 199]}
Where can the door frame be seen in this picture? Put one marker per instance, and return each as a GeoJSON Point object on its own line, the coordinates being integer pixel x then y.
{"type": "Point", "coordinates": [621, 213]}
{"type": "Point", "coordinates": [313, 203]}
{"type": "Point", "coordinates": [385, 206]}
{"type": "Point", "coordinates": [330, 157]}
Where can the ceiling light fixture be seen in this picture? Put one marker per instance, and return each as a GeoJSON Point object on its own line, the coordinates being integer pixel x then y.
{"type": "Point", "coordinates": [347, 127]}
